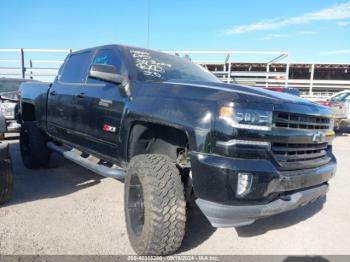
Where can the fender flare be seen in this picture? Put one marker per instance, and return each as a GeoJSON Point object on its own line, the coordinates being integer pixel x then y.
{"type": "Point", "coordinates": [129, 123]}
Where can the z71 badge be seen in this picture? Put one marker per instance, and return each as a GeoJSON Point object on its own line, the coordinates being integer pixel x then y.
{"type": "Point", "coordinates": [108, 128]}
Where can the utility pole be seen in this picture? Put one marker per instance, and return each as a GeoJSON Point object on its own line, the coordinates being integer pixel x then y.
{"type": "Point", "coordinates": [23, 69]}
{"type": "Point", "coordinates": [148, 21]}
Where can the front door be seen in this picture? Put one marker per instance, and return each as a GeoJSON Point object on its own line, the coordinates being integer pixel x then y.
{"type": "Point", "coordinates": [100, 107]}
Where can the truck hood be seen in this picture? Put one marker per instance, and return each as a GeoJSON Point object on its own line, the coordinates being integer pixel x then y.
{"type": "Point", "coordinates": [255, 95]}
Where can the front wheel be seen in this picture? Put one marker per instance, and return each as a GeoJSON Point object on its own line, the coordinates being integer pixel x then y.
{"type": "Point", "coordinates": [154, 203]}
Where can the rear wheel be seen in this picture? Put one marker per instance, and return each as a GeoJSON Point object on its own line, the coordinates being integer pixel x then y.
{"type": "Point", "coordinates": [6, 176]}
{"type": "Point", "coordinates": [154, 203]}
{"type": "Point", "coordinates": [33, 147]}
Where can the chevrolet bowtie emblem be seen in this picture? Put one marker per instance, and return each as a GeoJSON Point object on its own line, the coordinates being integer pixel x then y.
{"type": "Point", "coordinates": [317, 137]}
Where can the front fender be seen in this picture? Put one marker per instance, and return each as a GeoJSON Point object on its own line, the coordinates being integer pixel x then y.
{"type": "Point", "coordinates": [193, 117]}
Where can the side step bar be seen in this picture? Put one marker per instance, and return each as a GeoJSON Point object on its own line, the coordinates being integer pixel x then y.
{"type": "Point", "coordinates": [92, 163]}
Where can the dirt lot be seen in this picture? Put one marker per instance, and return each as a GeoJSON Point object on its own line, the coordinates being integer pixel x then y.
{"type": "Point", "coordinates": [68, 210]}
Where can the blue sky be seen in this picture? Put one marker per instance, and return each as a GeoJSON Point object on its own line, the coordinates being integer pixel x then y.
{"type": "Point", "coordinates": [317, 31]}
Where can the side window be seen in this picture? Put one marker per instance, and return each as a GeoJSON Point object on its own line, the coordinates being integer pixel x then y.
{"type": "Point", "coordinates": [74, 70]}
{"type": "Point", "coordinates": [338, 98]}
{"type": "Point", "coordinates": [108, 57]}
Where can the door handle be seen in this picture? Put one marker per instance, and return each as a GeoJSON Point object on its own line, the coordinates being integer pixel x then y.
{"type": "Point", "coordinates": [81, 95]}
{"type": "Point", "coordinates": [53, 93]}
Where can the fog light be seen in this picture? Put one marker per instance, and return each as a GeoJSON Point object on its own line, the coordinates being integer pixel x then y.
{"type": "Point", "coordinates": [244, 184]}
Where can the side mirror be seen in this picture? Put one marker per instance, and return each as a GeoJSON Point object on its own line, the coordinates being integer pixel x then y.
{"type": "Point", "coordinates": [106, 73]}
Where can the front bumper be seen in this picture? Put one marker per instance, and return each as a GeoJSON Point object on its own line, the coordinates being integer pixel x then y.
{"type": "Point", "coordinates": [215, 181]}
{"type": "Point", "coordinates": [13, 126]}
{"type": "Point", "coordinates": [234, 216]}
{"type": "Point", "coordinates": [9, 126]}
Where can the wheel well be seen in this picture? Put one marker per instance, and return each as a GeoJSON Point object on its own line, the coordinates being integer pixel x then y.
{"type": "Point", "coordinates": [28, 112]}
{"type": "Point", "coordinates": [149, 138]}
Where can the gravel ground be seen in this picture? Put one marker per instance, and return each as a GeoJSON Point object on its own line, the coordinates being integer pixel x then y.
{"type": "Point", "coordinates": [67, 209]}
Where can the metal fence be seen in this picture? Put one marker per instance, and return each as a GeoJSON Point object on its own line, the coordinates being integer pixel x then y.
{"type": "Point", "coordinates": [43, 64]}
{"type": "Point", "coordinates": [30, 63]}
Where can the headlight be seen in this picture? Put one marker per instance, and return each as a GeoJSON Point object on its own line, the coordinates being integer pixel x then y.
{"type": "Point", "coordinates": [246, 118]}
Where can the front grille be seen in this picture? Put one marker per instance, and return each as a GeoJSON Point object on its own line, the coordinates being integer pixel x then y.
{"type": "Point", "coordinates": [292, 156]}
{"type": "Point", "coordinates": [298, 152]}
{"type": "Point", "coordinates": [299, 121]}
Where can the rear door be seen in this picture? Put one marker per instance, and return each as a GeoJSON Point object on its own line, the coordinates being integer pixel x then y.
{"type": "Point", "coordinates": [62, 116]}
{"type": "Point", "coordinates": [101, 106]}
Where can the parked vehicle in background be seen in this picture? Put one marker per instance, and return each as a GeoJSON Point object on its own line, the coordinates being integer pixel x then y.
{"type": "Point", "coordinates": [6, 176]}
{"type": "Point", "coordinates": [340, 105]}
{"type": "Point", "coordinates": [285, 89]}
{"type": "Point", "coordinates": [173, 131]}
{"type": "Point", "coordinates": [8, 105]}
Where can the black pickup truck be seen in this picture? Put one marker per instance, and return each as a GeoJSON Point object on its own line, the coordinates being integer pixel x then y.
{"type": "Point", "coordinates": [172, 131]}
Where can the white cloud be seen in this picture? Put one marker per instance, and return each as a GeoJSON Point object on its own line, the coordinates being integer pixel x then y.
{"type": "Point", "coordinates": [343, 23]}
{"type": "Point", "coordinates": [279, 36]}
{"type": "Point", "coordinates": [336, 12]}
{"type": "Point", "coordinates": [274, 36]}
{"type": "Point", "coordinates": [308, 33]}
{"type": "Point", "coordinates": [337, 52]}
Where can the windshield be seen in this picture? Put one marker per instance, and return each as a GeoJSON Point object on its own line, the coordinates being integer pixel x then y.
{"type": "Point", "coordinates": [339, 97]}
{"type": "Point", "coordinates": [157, 66]}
